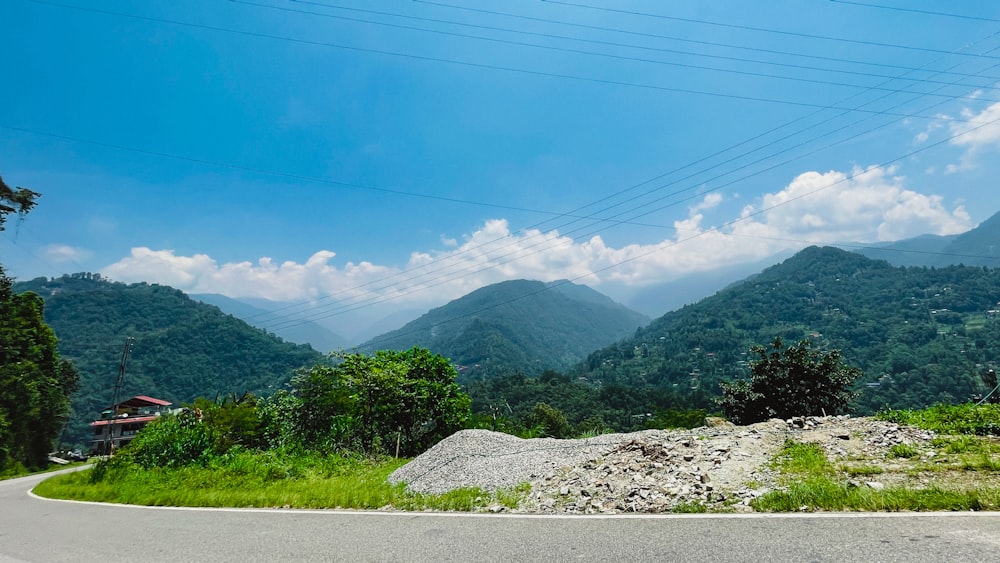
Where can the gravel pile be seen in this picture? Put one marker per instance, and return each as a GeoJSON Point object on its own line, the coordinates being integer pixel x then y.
{"type": "Point", "coordinates": [720, 465]}
{"type": "Point", "coordinates": [493, 460]}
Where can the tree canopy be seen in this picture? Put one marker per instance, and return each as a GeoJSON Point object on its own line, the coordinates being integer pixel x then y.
{"type": "Point", "coordinates": [796, 380]}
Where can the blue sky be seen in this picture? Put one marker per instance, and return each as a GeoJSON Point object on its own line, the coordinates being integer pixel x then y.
{"type": "Point", "coordinates": [400, 153]}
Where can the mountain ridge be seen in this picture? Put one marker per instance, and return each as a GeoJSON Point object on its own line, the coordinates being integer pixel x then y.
{"type": "Point", "coordinates": [516, 325]}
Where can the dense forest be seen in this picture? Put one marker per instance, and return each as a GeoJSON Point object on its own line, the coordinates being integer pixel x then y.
{"type": "Point", "coordinates": [921, 335]}
{"type": "Point", "coordinates": [183, 349]}
{"type": "Point", "coordinates": [516, 327]}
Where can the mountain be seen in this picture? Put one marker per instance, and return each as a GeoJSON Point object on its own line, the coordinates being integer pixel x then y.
{"type": "Point", "coordinates": [303, 332]}
{"type": "Point", "coordinates": [977, 247]}
{"type": "Point", "coordinates": [921, 335]}
{"type": "Point", "coordinates": [660, 298]}
{"type": "Point", "coordinates": [516, 326]}
{"type": "Point", "coordinates": [182, 348]}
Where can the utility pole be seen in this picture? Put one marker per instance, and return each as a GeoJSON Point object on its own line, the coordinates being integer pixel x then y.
{"type": "Point", "coordinates": [116, 396]}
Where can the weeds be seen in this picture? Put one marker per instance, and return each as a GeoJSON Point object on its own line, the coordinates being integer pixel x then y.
{"type": "Point", "coordinates": [905, 451]}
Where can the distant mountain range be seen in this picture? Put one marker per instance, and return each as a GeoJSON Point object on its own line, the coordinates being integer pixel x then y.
{"type": "Point", "coordinates": [301, 332]}
{"type": "Point", "coordinates": [978, 247]}
{"type": "Point", "coordinates": [517, 326]}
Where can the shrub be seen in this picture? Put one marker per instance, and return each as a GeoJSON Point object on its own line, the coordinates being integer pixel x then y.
{"type": "Point", "coordinates": [171, 441]}
{"type": "Point", "coordinates": [789, 381]}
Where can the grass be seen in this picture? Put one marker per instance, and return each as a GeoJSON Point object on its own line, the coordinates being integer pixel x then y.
{"type": "Point", "coordinates": [862, 470]}
{"type": "Point", "coordinates": [905, 451]}
{"type": "Point", "coordinates": [825, 494]}
{"type": "Point", "coordinates": [251, 479]}
{"type": "Point", "coordinates": [967, 419]}
{"type": "Point", "coordinates": [812, 483]}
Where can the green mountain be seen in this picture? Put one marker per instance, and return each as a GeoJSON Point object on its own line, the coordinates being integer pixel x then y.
{"type": "Point", "coordinates": [978, 247]}
{"type": "Point", "coordinates": [921, 335]}
{"type": "Point", "coordinates": [182, 348]}
{"type": "Point", "coordinates": [516, 326]}
{"type": "Point", "coordinates": [304, 332]}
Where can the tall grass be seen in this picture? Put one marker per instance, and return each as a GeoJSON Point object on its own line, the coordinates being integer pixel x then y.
{"type": "Point", "coordinates": [966, 418]}
{"type": "Point", "coordinates": [245, 478]}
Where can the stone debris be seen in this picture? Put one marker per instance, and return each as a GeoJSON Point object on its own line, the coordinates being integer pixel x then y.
{"type": "Point", "coordinates": [716, 466]}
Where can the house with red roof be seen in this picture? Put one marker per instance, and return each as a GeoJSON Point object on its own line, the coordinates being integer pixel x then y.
{"type": "Point", "coordinates": [119, 424]}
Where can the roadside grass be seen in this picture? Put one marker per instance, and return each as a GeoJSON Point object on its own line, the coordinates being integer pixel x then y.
{"type": "Point", "coordinates": [267, 480]}
{"type": "Point", "coordinates": [811, 482]}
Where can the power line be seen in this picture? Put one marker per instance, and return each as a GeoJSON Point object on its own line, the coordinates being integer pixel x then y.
{"type": "Point", "coordinates": [680, 39]}
{"type": "Point", "coordinates": [761, 29]}
{"type": "Point", "coordinates": [471, 64]}
{"type": "Point", "coordinates": [916, 11]}
{"type": "Point", "coordinates": [582, 52]}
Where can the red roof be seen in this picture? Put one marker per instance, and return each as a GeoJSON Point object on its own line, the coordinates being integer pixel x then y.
{"type": "Point", "coordinates": [143, 399]}
{"type": "Point", "coordinates": [124, 420]}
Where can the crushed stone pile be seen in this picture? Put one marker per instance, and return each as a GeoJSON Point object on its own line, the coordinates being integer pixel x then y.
{"type": "Point", "coordinates": [648, 471]}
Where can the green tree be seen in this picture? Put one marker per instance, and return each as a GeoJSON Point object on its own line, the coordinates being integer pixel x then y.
{"type": "Point", "coordinates": [550, 420]}
{"type": "Point", "coordinates": [35, 384]}
{"type": "Point", "coordinates": [789, 381]}
{"type": "Point", "coordinates": [374, 402]}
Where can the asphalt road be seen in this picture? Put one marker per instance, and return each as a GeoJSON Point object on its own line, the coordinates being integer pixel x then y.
{"type": "Point", "coordinates": [35, 529]}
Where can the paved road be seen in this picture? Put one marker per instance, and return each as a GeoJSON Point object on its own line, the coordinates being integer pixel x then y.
{"type": "Point", "coordinates": [34, 529]}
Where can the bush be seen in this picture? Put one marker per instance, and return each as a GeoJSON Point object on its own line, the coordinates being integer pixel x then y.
{"type": "Point", "coordinates": [785, 382]}
{"type": "Point", "coordinates": [171, 441]}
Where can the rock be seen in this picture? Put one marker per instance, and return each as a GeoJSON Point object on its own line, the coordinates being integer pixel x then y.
{"type": "Point", "coordinates": [875, 485]}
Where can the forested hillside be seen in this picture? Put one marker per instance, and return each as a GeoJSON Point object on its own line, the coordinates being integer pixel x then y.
{"type": "Point", "coordinates": [516, 326]}
{"type": "Point", "coordinates": [977, 247]}
{"type": "Point", "coordinates": [182, 349]}
{"type": "Point", "coordinates": [921, 335]}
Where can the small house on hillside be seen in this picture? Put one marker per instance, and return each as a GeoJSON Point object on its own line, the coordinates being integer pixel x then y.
{"type": "Point", "coordinates": [120, 423]}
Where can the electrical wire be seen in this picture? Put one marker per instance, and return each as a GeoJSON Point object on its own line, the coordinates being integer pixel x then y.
{"type": "Point", "coordinates": [760, 29]}
{"type": "Point", "coordinates": [470, 64]}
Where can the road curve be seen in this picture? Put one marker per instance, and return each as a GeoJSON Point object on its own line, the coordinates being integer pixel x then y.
{"type": "Point", "coordinates": [35, 529]}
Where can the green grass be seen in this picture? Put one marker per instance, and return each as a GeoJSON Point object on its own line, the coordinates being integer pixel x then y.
{"type": "Point", "coordinates": [966, 419]}
{"type": "Point", "coordinates": [248, 479]}
{"type": "Point", "coordinates": [812, 483]}
{"type": "Point", "coordinates": [690, 508]}
{"type": "Point", "coordinates": [861, 470]}
{"type": "Point", "coordinates": [905, 451]}
{"type": "Point", "coordinates": [799, 458]}
{"type": "Point", "coordinates": [825, 494]}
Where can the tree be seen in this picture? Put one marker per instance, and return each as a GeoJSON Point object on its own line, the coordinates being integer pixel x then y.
{"type": "Point", "coordinates": [374, 402]}
{"type": "Point", "coordinates": [789, 381]}
{"type": "Point", "coordinates": [550, 420]}
{"type": "Point", "coordinates": [35, 384]}
{"type": "Point", "coordinates": [15, 200]}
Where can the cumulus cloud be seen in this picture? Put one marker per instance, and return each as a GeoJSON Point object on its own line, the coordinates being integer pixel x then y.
{"type": "Point", "coordinates": [864, 205]}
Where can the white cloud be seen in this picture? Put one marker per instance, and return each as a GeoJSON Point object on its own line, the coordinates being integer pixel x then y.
{"type": "Point", "coordinates": [64, 253]}
{"type": "Point", "coordinates": [980, 132]}
{"type": "Point", "coordinates": [815, 208]}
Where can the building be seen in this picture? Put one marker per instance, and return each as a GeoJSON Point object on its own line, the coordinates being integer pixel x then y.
{"type": "Point", "coordinates": [118, 426]}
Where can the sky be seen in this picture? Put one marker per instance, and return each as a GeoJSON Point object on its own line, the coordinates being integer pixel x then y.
{"type": "Point", "coordinates": [384, 155]}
